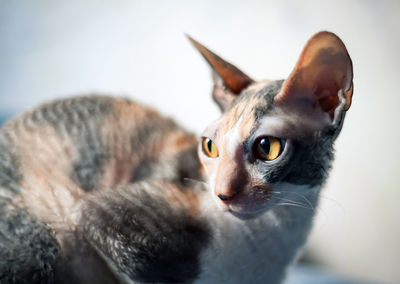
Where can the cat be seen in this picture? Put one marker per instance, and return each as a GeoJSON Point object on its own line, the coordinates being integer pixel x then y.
{"type": "Point", "coordinates": [95, 189]}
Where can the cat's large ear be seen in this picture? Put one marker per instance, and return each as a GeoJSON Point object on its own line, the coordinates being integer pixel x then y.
{"type": "Point", "coordinates": [229, 81]}
{"type": "Point", "coordinates": [321, 84]}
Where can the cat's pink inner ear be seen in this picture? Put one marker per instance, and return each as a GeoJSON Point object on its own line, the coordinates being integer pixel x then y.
{"type": "Point", "coordinates": [322, 77]}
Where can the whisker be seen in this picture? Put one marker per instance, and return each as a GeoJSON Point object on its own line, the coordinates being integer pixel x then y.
{"type": "Point", "coordinates": [288, 201]}
{"type": "Point", "coordinates": [293, 204]}
{"type": "Point", "coordinates": [335, 202]}
{"type": "Point", "coordinates": [319, 209]}
{"type": "Point", "coordinates": [316, 209]}
{"type": "Point", "coordinates": [300, 195]}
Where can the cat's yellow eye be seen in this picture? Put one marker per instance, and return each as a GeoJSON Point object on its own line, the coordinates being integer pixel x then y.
{"type": "Point", "coordinates": [268, 148]}
{"type": "Point", "coordinates": [209, 147]}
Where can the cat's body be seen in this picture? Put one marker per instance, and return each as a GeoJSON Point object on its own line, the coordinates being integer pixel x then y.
{"type": "Point", "coordinates": [61, 152]}
{"type": "Point", "coordinates": [102, 190]}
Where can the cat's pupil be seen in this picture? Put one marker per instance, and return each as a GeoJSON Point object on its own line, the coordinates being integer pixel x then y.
{"type": "Point", "coordinates": [264, 146]}
{"type": "Point", "coordinates": [209, 145]}
{"type": "Point", "coordinates": [268, 148]}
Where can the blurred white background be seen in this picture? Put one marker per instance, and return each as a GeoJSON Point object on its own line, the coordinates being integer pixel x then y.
{"type": "Point", "coordinates": [51, 49]}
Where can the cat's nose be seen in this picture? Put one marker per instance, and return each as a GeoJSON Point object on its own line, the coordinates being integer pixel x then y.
{"type": "Point", "coordinates": [224, 197]}
{"type": "Point", "coordinates": [230, 179]}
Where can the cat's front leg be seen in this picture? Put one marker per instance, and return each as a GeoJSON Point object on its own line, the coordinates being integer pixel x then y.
{"type": "Point", "coordinates": [148, 231]}
{"type": "Point", "coordinates": [29, 253]}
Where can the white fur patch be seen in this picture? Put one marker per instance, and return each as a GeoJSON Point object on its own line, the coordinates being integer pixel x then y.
{"type": "Point", "coordinates": [233, 138]}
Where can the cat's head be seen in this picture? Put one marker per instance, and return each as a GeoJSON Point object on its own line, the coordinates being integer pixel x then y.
{"type": "Point", "coordinates": [274, 139]}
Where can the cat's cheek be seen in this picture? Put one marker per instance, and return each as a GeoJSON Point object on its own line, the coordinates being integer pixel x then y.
{"type": "Point", "coordinates": [209, 168]}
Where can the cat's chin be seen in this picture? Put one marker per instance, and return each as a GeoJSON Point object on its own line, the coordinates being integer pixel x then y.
{"type": "Point", "coordinates": [243, 215]}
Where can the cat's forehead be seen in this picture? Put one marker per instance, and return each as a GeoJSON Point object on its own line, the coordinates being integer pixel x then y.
{"type": "Point", "coordinates": [242, 113]}
{"type": "Point", "coordinates": [250, 108]}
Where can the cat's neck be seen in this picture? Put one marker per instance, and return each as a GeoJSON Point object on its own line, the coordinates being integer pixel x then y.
{"type": "Point", "coordinates": [266, 244]}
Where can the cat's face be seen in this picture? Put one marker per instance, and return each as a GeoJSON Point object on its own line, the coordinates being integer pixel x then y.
{"type": "Point", "coordinates": [274, 139]}
{"type": "Point", "coordinates": [258, 155]}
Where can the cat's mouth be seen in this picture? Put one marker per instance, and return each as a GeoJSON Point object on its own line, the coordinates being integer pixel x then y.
{"type": "Point", "coordinates": [245, 207]}
{"type": "Point", "coordinates": [244, 215]}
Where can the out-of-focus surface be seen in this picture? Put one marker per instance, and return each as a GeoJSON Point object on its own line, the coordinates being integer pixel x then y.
{"type": "Point", "coordinates": [51, 49]}
{"type": "Point", "coordinates": [313, 274]}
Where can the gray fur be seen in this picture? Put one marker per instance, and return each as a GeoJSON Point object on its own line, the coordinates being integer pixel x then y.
{"type": "Point", "coordinates": [79, 119]}
{"type": "Point", "coordinates": [9, 167]}
{"type": "Point", "coordinates": [311, 164]}
{"type": "Point", "coordinates": [29, 252]}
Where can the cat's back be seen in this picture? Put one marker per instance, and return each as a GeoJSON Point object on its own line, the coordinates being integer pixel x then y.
{"type": "Point", "coordinates": [91, 141]}
{"type": "Point", "coordinates": [54, 155]}
{"type": "Point", "coordinates": [65, 148]}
